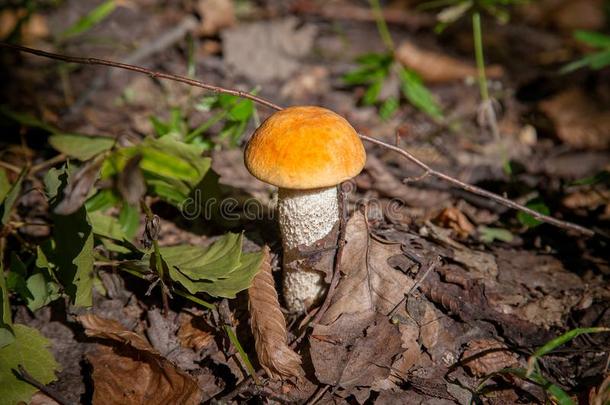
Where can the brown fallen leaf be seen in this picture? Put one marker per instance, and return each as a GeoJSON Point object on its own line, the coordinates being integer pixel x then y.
{"type": "Point", "coordinates": [434, 67]}
{"type": "Point", "coordinates": [369, 282]}
{"type": "Point", "coordinates": [483, 357]}
{"type": "Point", "coordinates": [453, 218]}
{"type": "Point", "coordinates": [368, 344]}
{"type": "Point", "coordinates": [193, 333]}
{"type": "Point", "coordinates": [578, 120]}
{"type": "Point", "coordinates": [78, 188]}
{"type": "Point", "coordinates": [269, 326]}
{"type": "Point", "coordinates": [130, 182]}
{"type": "Point", "coordinates": [130, 371]}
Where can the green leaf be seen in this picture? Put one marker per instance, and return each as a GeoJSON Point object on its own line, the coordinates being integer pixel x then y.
{"type": "Point", "coordinates": [42, 290]}
{"type": "Point", "coordinates": [102, 200]}
{"type": "Point", "coordinates": [371, 94]}
{"type": "Point", "coordinates": [30, 350]}
{"type": "Point", "coordinates": [239, 279]}
{"type": "Point", "coordinates": [559, 341]}
{"type": "Point", "coordinates": [6, 321]}
{"type": "Point", "coordinates": [489, 234]}
{"type": "Point", "coordinates": [11, 198]}
{"type": "Point", "coordinates": [388, 108]}
{"type": "Point", "coordinates": [210, 263]}
{"type": "Point", "coordinates": [26, 119]}
{"type": "Point", "coordinates": [242, 111]}
{"type": "Point", "coordinates": [81, 147]}
{"type": "Point", "coordinates": [558, 395]}
{"type": "Point", "coordinates": [602, 177]}
{"type": "Point", "coordinates": [129, 218]}
{"type": "Point", "coordinates": [536, 205]}
{"type": "Point", "coordinates": [5, 185]}
{"type": "Point", "coordinates": [592, 38]}
{"type": "Point", "coordinates": [414, 90]}
{"type": "Point", "coordinates": [92, 18]}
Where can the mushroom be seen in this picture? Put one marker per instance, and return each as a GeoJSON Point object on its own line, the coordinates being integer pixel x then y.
{"type": "Point", "coordinates": [306, 152]}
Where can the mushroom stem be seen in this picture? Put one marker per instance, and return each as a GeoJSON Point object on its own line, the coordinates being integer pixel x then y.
{"type": "Point", "coordinates": [306, 217]}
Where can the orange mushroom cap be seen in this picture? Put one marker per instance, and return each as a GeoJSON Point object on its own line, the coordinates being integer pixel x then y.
{"type": "Point", "coordinates": [303, 148]}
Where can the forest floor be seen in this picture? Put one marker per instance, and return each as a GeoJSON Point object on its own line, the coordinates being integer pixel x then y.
{"type": "Point", "coordinates": [459, 287]}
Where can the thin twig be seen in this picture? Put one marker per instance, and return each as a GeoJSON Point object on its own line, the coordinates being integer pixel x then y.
{"type": "Point", "coordinates": [479, 191]}
{"type": "Point", "coordinates": [182, 79]}
{"type": "Point", "coordinates": [51, 162]}
{"type": "Point", "coordinates": [430, 266]}
{"type": "Point", "coordinates": [49, 392]}
{"type": "Point", "coordinates": [139, 69]}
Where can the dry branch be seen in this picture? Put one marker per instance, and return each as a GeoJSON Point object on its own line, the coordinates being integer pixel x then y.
{"type": "Point", "coordinates": [196, 83]}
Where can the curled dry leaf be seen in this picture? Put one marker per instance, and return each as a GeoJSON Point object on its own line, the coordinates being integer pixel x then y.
{"type": "Point", "coordinates": [193, 333]}
{"type": "Point", "coordinates": [434, 67]}
{"type": "Point", "coordinates": [131, 372]}
{"type": "Point", "coordinates": [453, 218]}
{"type": "Point", "coordinates": [130, 182]}
{"type": "Point", "coordinates": [483, 357]}
{"type": "Point", "coordinates": [78, 187]}
{"type": "Point", "coordinates": [269, 326]}
{"type": "Point", "coordinates": [578, 120]}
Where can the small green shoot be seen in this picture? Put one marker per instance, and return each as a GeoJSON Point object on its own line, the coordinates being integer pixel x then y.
{"type": "Point", "coordinates": [242, 353]}
{"type": "Point", "coordinates": [559, 341]}
{"type": "Point", "coordinates": [89, 20]}
{"type": "Point", "coordinates": [596, 60]}
{"type": "Point", "coordinates": [537, 205]}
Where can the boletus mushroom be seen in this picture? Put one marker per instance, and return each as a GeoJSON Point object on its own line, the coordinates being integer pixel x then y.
{"type": "Point", "coordinates": [306, 152]}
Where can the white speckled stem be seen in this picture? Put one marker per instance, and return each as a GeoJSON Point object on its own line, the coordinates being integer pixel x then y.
{"type": "Point", "coordinates": [305, 217]}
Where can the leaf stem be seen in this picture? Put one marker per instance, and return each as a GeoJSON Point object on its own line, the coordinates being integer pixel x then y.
{"type": "Point", "coordinates": [478, 51]}
{"type": "Point", "coordinates": [382, 27]}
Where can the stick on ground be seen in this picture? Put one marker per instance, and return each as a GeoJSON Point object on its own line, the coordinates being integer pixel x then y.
{"type": "Point", "coordinates": [192, 82]}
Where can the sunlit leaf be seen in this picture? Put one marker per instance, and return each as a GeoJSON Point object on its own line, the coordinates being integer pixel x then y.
{"type": "Point", "coordinates": [81, 147]}
{"type": "Point", "coordinates": [30, 350]}
{"type": "Point", "coordinates": [5, 185]}
{"type": "Point", "coordinates": [592, 38]}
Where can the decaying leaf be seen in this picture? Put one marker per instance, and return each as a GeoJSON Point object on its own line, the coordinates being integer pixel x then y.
{"type": "Point", "coordinates": [269, 326]}
{"type": "Point", "coordinates": [192, 333]}
{"type": "Point", "coordinates": [130, 181]}
{"type": "Point", "coordinates": [483, 357]}
{"type": "Point", "coordinates": [578, 120]}
{"type": "Point", "coordinates": [369, 282]}
{"type": "Point", "coordinates": [130, 371]}
{"type": "Point", "coordinates": [434, 67]}
{"type": "Point", "coordinates": [453, 218]}
{"type": "Point", "coordinates": [356, 350]}
{"type": "Point", "coordinates": [78, 187]}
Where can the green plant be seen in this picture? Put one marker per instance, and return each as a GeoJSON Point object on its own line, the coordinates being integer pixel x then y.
{"type": "Point", "coordinates": [533, 373]}
{"type": "Point", "coordinates": [380, 71]}
{"type": "Point", "coordinates": [96, 198]}
{"type": "Point", "coordinates": [595, 60]}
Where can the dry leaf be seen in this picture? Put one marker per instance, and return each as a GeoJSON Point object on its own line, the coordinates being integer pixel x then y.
{"type": "Point", "coordinates": [601, 394]}
{"type": "Point", "coordinates": [192, 334]}
{"type": "Point", "coordinates": [40, 398]}
{"type": "Point", "coordinates": [356, 350]}
{"type": "Point", "coordinates": [78, 188]}
{"type": "Point", "coordinates": [131, 371]}
{"type": "Point", "coordinates": [130, 182]}
{"type": "Point", "coordinates": [578, 120]}
{"type": "Point", "coordinates": [453, 218]}
{"type": "Point", "coordinates": [369, 282]}
{"type": "Point", "coordinates": [216, 15]}
{"type": "Point", "coordinates": [269, 326]}
{"type": "Point", "coordinates": [434, 67]}
{"type": "Point", "coordinates": [486, 356]}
